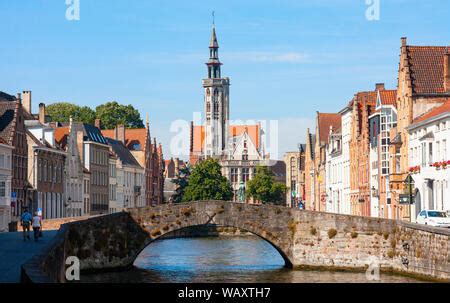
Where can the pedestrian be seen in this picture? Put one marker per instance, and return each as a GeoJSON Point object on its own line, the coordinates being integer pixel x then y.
{"type": "Point", "coordinates": [37, 225]}
{"type": "Point", "coordinates": [25, 221]}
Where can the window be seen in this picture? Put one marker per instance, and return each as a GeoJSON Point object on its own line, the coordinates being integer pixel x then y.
{"type": "Point", "coordinates": [2, 161]}
{"type": "Point", "coordinates": [2, 189]}
{"type": "Point", "coordinates": [430, 152]}
{"type": "Point", "coordinates": [424, 153]}
{"type": "Point", "coordinates": [438, 150]}
{"type": "Point", "coordinates": [245, 174]}
{"type": "Point", "coordinates": [244, 157]}
{"type": "Point", "coordinates": [234, 175]}
{"type": "Point", "coordinates": [293, 167]}
{"type": "Point", "coordinates": [444, 150]}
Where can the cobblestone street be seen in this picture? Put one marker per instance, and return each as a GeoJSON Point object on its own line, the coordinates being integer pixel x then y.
{"type": "Point", "coordinates": [14, 251]}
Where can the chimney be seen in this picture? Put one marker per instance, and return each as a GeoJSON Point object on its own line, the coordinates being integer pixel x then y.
{"type": "Point", "coordinates": [80, 144]}
{"type": "Point", "coordinates": [446, 72]}
{"type": "Point", "coordinates": [121, 133]}
{"type": "Point", "coordinates": [41, 113]}
{"type": "Point", "coordinates": [97, 123]}
{"type": "Point", "coordinates": [26, 100]}
{"type": "Point", "coordinates": [19, 98]}
{"type": "Point", "coordinates": [403, 41]}
{"type": "Point", "coordinates": [379, 86]}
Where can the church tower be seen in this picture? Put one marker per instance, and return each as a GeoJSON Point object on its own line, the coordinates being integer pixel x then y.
{"type": "Point", "coordinates": [216, 107]}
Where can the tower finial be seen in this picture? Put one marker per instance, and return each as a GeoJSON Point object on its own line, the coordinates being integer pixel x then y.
{"type": "Point", "coordinates": [147, 120]}
{"type": "Point", "coordinates": [213, 18]}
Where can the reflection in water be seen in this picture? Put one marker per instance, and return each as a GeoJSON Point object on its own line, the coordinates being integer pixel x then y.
{"type": "Point", "coordinates": [223, 259]}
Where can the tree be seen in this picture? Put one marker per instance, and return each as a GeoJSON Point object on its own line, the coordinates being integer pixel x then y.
{"type": "Point", "coordinates": [62, 111]}
{"type": "Point", "coordinates": [264, 188]}
{"type": "Point", "coordinates": [181, 182]}
{"type": "Point", "coordinates": [112, 113]}
{"type": "Point", "coordinates": [207, 183]}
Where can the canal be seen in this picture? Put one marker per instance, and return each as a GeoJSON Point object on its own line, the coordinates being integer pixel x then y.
{"type": "Point", "coordinates": [244, 259]}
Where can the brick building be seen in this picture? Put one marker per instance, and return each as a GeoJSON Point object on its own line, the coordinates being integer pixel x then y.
{"type": "Point", "coordinates": [13, 133]}
{"type": "Point", "coordinates": [423, 84]}
{"type": "Point", "coordinates": [46, 163]}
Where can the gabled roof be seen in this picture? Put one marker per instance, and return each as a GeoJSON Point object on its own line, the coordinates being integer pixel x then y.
{"type": "Point", "coordinates": [444, 108]}
{"type": "Point", "coordinates": [6, 97]}
{"type": "Point", "coordinates": [61, 134]}
{"type": "Point", "coordinates": [426, 64]}
{"type": "Point", "coordinates": [122, 152]}
{"type": "Point", "coordinates": [388, 97]}
{"type": "Point", "coordinates": [7, 118]}
{"type": "Point", "coordinates": [324, 121]}
{"type": "Point", "coordinates": [93, 134]}
{"type": "Point", "coordinates": [134, 137]}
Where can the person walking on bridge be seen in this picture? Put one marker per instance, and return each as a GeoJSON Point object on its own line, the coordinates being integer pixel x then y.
{"type": "Point", "coordinates": [25, 221]}
{"type": "Point", "coordinates": [37, 226]}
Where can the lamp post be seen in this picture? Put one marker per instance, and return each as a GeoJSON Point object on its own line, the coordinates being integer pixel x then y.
{"type": "Point", "coordinates": [299, 173]}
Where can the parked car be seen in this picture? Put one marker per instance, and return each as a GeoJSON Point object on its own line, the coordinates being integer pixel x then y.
{"type": "Point", "coordinates": [436, 218]}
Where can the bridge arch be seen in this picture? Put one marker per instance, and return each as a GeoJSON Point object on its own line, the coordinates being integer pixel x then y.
{"type": "Point", "coordinates": [165, 219]}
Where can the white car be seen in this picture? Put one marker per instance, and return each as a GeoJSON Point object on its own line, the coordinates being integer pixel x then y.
{"type": "Point", "coordinates": [436, 218]}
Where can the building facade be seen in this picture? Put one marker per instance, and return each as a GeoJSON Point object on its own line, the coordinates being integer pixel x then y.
{"type": "Point", "coordinates": [46, 173]}
{"type": "Point", "coordinates": [429, 160]}
{"type": "Point", "coordinates": [5, 184]}
{"type": "Point", "coordinates": [149, 156]}
{"type": "Point", "coordinates": [295, 176]}
{"type": "Point", "coordinates": [423, 84]}
{"type": "Point", "coordinates": [130, 178]}
{"type": "Point", "coordinates": [70, 139]}
{"type": "Point", "coordinates": [381, 121]}
{"type": "Point", "coordinates": [334, 168]}
{"type": "Point", "coordinates": [346, 122]}
{"type": "Point", "coordinates": [13, 132]}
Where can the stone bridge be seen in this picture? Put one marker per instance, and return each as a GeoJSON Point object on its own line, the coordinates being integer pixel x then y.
{"type": "Point", "coordinates": [305, 239]}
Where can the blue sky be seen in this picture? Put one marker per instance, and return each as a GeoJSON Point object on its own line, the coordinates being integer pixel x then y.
{"type": "Point", "coordinates": [286, 59]}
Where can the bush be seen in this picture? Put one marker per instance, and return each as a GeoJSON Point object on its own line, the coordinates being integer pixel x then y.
{"type": "Point", "coordinates": [332, 233]}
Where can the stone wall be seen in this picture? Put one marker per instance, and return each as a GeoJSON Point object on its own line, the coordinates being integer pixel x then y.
{"type": "Point", "coordinates": [55, 224]}
{"type": "Point", "coordinates": [305, 239]}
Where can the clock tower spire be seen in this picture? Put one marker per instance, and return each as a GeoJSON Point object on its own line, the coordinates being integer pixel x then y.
{"type": "Point", "coordinates": [216, 101]}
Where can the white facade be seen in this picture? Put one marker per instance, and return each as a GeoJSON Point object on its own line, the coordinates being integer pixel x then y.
{"type": "Point", "coordinates": [5, 185]}
{"type": "Point", "coordinates": [346, 127]}
{"type": "Point", "coordinates": [133, 179]}
{"type": "Point", "coordinates": [429, 145]}
{"type": "Point", "coordinates": [333, 175]}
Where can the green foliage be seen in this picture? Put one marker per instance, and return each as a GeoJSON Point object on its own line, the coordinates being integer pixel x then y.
{"type": "Point", "coordinates": [207, 183]}
{"type": "Point", "coordinates": [62, 111]}
{"type": "Point", "coordinates": [264, 188]}
{"type": "Point", "coordinates": [113, 113]}
{"type": "Point", "coordinates": [181, 181]}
